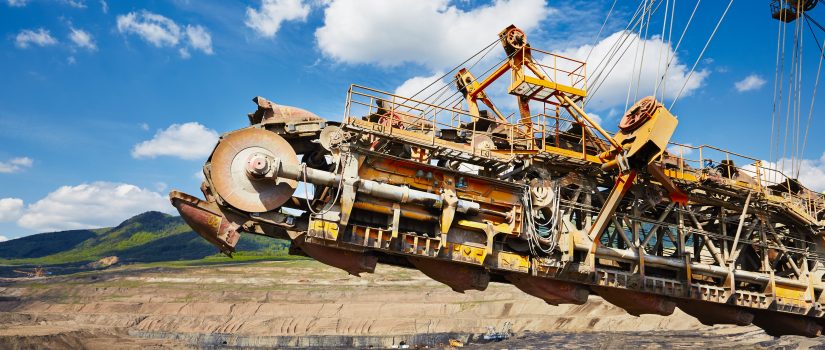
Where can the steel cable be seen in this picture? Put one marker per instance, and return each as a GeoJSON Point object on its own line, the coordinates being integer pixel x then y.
{"type": "Point", "coordinates": [701, 54]}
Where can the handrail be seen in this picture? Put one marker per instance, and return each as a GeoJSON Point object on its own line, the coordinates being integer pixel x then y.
{"type": "Point", "coordinates": [532, 134]}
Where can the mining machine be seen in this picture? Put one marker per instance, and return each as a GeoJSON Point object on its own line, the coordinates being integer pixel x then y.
{"type": "Point", "coordinates": [546, 199]}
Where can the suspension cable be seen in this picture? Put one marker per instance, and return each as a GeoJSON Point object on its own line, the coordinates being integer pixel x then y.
{"type": "Point", "coordinates": [659, 61]}
{"type": "Point", "coordinates": [679, 42]}
{"type": "Point", "coordinates": [599, 69]}
{"type": "Point", "coordinates": [609, 59]}
{"type": "Point", "coordinates": [816, 84]}
{"type": "Point", "coordinates": [701, 54]}
{"type": "Point", "coordinates": [598, 35]}
{"type": "Point", "coordinates": [636, 56]}
{"type": "Point", "coordinates": [669, 42]}
{"type": "Point", "coordinates": [454, 68]}
{"type": "Point", "coordinates": [642, 59]}
{"type": "Point", "coordinates": [777, 86]}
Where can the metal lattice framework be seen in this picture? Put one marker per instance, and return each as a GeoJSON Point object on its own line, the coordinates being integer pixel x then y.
{"type": "Point", "coordinates": [548, 201]}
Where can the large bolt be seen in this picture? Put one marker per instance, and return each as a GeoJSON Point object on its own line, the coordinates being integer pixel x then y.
{"type": "Point", "coordinates": [257, 165]}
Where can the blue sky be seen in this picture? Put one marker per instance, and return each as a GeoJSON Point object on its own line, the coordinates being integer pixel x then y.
{"type": "Point", "coordinates": [106, 106]}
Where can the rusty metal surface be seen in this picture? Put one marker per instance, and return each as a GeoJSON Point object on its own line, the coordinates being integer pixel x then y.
{"type": "Point", "coordinates": [553, 292]}
{"type": "Point", "coordinates": [711, 314]}
{"type": "Point", "coordinates": [206, 220]}
{"type": "Point", "coordinates": [459, 277]}
{"type": "Point", "coordinates": [229, 164]}
{"type": "Point", "coordinates": [352, 262]}
{"type": "Point", "coordinates": [269, 112]}
{"type": "Point", "coordinates": [636, 303]}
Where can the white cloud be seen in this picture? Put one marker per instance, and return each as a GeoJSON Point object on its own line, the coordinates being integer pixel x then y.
{"type": "Point", "coordinates": [595, 117]}
{"type": "Point", "coordinates": [161, 31]}
{"type": "Point", "coordinates": [40, 37]}
{"type": "Point", "coordinates": [161, 186]}
{"type": "Point", "coordinates": [415, 84]}
{"type": "Point", "coordinates": [10, 209]}
{"type": "Point", "coordinates": [17, 3]}
{"type": "Point", "coordinates": [104, 6]}
{"type": "Point", "coordinates": [676, 150]}
{"type": "Point", "coordinates": [144, 126]}
{"type": "Point", "coordinates": [15, 165]}
{"type": "Point", "coordinates": [431, 33]}
{"type": "Point", "coordinates": [155, 29]}
{"type": "Point", "coordinates": [186, 141]}
{"type": "Point", "coordinates": [75, 3]}
{"type": "Point", "coordinates": [71, 60]}
{"type": "Point", "coordinates": [199, 38]}
{"type": "Point", "coordinates": [751, 82]}
{"type": "Point", "coordinates": [3, 238]}
{"type": "Point", "coordinates": [90, 205]}
{"type": "Point", "coordinates": [811, 171]}
{"type": "Point", "coordinates": [613, 90]}
{"type": "Point", "coordinates": [82, 39]}
{"type": "Point", "coordinates": [267, 20]}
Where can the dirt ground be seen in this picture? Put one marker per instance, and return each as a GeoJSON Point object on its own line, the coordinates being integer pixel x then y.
{"type": "Point", "coordinates": [306, 304]}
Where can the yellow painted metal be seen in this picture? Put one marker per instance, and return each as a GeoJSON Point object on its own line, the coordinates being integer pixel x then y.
{"type": "Point", "coordinates": [513, 262]}
{"type": "Point", "coordinates": [490, 79]}
{"type": "Point", "coordinates": [592, 158]}
{"type": "Point", "coordinates": [323, 229]}
{"type": "Point", "coordinates": [581, 112]}
{"type": "Point", "coordinates": [468, 253]}
{"type": "Point", "coordinates": [527, 86]}
{"type": "Point", "coordinates": [481, 226]}
{"type": "Point", "coordinates": [623, 184]}
{"type": "Point", "coordinates": [655, 132]}
{"type": "Point", "coordinates": [790, 295]}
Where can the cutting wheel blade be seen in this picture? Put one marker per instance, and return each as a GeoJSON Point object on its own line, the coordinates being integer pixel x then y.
{"type": "Point", "coordinates": [229, 176]}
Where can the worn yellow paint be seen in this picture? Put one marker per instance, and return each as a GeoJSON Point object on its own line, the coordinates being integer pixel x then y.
{"type": "Point", "coordinates": [547, 84]}
{"type": "Point", "coordinates": [500, 227]}
{"type": "Point", "coordinates": [324, 229]}
{"type": "Point", "coordinates": [468, 253]}
{"type": "Point", "coordinates": [791, 295]}
{"type": "Point", "coordinates": [513, 262]}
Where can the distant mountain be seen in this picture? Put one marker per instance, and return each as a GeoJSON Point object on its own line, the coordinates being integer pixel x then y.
{"type": "Point", "coordinates": [148, 237]}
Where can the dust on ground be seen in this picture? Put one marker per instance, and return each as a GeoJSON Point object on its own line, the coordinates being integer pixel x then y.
{"type": "Point", "coordinates": [306, 304]}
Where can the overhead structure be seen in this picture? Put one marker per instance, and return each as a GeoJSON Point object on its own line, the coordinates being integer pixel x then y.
{"type": "Point", "coordinates": [547, 200]}
{"type": "Point", "coordinates": [790, 10]}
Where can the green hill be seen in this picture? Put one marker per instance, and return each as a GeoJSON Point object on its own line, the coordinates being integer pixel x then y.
{"type": "Point", "coordinates": [148, 237]}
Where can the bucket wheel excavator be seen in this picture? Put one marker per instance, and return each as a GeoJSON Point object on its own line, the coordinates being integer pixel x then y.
{"type": "Point", "coordinates": [545, 199]}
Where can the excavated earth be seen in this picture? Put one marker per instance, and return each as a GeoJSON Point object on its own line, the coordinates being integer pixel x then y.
{"type": "Point", "coordinates": [278, 304]}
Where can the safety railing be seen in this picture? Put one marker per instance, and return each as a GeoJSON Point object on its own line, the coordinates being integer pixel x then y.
{"type": "Point", "coordinates": [742, 171]}
{"type": "Point", "coordinates": [400, 115]}
{"type": "Point", "coordinates": [566, 132]}
{"type": "Point", "coordinates": [513, 135]}
{"type": "Point", "coordinates": [560, 69]}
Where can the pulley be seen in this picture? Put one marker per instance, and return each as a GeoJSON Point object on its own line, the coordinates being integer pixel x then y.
{"type": "Point", "coordinates": [638, 114]}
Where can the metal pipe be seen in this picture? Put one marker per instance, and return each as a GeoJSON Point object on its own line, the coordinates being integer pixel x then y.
{"type": "Point", "coordinates": [384, 209]}
{"type": "Point", "coordinates": [267, 167]}
{"type": "Point", "coordinates": [564, 99]}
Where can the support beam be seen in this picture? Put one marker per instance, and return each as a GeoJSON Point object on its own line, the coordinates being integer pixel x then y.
{"type": "Point", "coordinates": [741, 224]}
